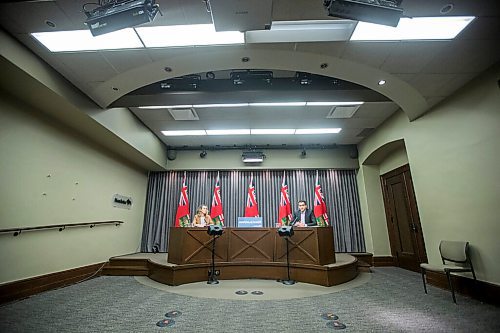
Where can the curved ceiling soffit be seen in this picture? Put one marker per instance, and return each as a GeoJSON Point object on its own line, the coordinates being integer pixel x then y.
{"type": "Point", "coordinates": [407, 97]}
{"type": "Point", "coordinates": [380, 153]}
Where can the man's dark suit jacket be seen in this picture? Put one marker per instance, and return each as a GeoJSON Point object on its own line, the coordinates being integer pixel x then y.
{"type": "Point", "coordinates": [310, 220]}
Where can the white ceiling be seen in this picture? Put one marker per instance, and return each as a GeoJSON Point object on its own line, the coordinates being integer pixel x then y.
{"type": "Point", "coordinates": [432, 69]}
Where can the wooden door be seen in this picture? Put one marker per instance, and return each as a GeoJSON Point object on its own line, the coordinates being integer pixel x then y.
{"type": "Point", "coordinates": [403, 222]}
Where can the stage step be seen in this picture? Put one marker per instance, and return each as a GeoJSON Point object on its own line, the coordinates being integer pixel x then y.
{"type": "Point", "coordinates": [125, 269]}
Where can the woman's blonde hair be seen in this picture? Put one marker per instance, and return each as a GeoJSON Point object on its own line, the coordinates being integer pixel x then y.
{"type": "Point", "coordinates": [198, 210]}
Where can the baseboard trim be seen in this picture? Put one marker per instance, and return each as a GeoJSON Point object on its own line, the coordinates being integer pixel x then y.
{"type": "Point", "coordinates": [24, 288]}
{"type": "Point", "coordinates": [379, 261]}
{"type": "Point", "coordinates": [482, 291]}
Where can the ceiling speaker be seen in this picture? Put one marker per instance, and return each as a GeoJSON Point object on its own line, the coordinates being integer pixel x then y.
{"type": "Point", "coordinates": [171, 154]}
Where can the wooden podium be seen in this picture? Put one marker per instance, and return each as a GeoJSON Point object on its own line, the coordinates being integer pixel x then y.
{"type": "Point", "coordinates": [311, 245]}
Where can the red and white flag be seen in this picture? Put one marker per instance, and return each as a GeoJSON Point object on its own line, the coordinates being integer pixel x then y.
{"type": "Point", "coordinates": [182, 218]}
{"type": "Point", "coordinates": [216, 211]}
{"type": "Point", "coordinates": [320, 205]}
{"type": "Point", "coordinates": [285, 212]}
{"type": "Point", "coordinates": [251, 209]}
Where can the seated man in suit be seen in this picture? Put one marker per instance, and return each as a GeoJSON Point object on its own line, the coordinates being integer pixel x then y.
{"type": "Point", "coordinates": [304, 217]}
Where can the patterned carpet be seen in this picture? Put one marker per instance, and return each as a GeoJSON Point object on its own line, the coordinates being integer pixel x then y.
{"type": "Point", "coordinates": [391, 301]}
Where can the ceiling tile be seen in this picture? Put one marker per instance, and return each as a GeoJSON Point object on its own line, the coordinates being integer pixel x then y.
{"type": "Point", "coordinates": [90, 66]}
{"type": "Point", "coordinates": [123, 61]}
{"type": "Point", "coordinates": [334, 49]}
{"type": "Point", "coordinates": [376, 110]}
{"type": "Point", "coordinates": [369, 53]}
{"type": "Point", "coordinates": [412, 56]}
{"type": "Point", "coordinates": [430, 84]}
{"type": "Point", "coordinates": [465, 56]}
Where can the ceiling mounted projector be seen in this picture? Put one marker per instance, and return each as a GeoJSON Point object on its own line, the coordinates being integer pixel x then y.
{"type": "Point", "coordinates": [385, 12]}
{"type": "Point", "coordinates": [119, 15]}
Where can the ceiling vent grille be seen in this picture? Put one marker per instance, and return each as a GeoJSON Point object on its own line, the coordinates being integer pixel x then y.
{"type": "Point", "coordinates": [342, 112]}
{"type": "Point", "coordinates": [184, 114]}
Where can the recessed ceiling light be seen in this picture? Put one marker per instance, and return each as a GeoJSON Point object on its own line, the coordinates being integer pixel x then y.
{"type": "Point", "coordinates": [229, 132]}
{"type": "Point", "coordinates": [333, 103]}
{"type": "Point", "coordinates": [279, 104]}
{"type": "Point", "coordinates": [446, 8]}
{"type": "Point", "coordinates": [381, 82]}
{"type": "Point", "coordinates": [317, 130]}
{"type": "Point", "coordinates": [184, 133]}
{"type": "Point", "coordinates": [260, 131]}
{"type": "Point", "coordinates": [417, 28]}
{"type": "Point", "coordinates": [228, 105]}
{"type": "Point", "coordinates": [187, 35]}
{"type": "Point", "coordinates": [82, 40]}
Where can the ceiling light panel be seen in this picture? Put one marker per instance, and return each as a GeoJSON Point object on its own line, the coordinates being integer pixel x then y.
{"type": "Point", "coordinates": [279, 104]}
{"type": "Point", "coordinates": [82, 40]}
{"type": "Point", "coordinates": [417, 28]}
{"type": "Point", "coordinates": [317, 130]}
{"type": "Point", "coordinates": [229, 132]}
{"type": "Point", "coordinates": [281, 131]}
{"type": "Point", "coordinates": [333, 103]}
{"type": "Point", "coordinates": [187, 35]}
{"type": "Point", "coordinates": [184, 133]}
{"type": "Point", "coordinates": [233, 105]}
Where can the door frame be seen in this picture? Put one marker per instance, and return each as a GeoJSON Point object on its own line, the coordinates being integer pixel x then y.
{"type": "Point", "coordinates": [412, 204]}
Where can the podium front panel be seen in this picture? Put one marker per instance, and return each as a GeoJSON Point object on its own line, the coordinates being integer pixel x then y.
{"type": "Point", "coordinates": [194, 245]}
{"type": "Point", "coordinates": [251, 244]}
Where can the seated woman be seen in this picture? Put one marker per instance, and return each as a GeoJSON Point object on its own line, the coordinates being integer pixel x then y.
{"type": "Point", "coordinates": [202, 219]}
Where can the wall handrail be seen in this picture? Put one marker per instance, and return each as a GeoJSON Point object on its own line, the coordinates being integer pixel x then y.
{"type": "Point", "coordinates": [61, 227]}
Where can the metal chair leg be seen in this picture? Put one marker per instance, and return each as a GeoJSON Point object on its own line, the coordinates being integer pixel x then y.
{"type": "Point", "coordinates": [423, 279]}
{"type": "Point", "coordinates": [451, 287]}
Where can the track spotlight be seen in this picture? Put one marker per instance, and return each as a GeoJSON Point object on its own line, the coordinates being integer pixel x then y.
{"type": "Point", "coordinates": [203, 154]}
{"type": "Point", "coordinates": [303, 153]}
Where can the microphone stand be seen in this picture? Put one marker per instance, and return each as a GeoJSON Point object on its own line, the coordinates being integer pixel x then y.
{"type": "Point", "coordinates": [288, 282]}
{"type": "Point", "coordinates": [212, 277]}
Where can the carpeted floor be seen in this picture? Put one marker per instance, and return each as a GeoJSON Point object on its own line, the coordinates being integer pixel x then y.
{"type": "Point", "coordinates": [391, 301]}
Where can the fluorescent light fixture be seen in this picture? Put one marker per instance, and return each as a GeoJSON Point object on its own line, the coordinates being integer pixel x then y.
{"type": "Point", "coordinates": [303, 31]}
{"type": "Point", "coordinates": [166, 107]}
{"type": "Point", "coordinates": [187, 35]}
{"type": "Point", "coordinates": [417, 28]}
{"type": "Point", "coordinates": [229, 105]}
{"type": "Point", "coordinates": [333, 103]}
{"type": "Point", "coordinates": [253, 156]}
{"type": "Point", "coordinates": [279, 104]}
{"type": "Point", "coordinates": [82, 40]}
{"type": "Point", "coordinates": [317, 130]}
{"type": "Point", "coordinates": [184, 133]}
{"type": "Point", "coordinates": [229, 132]}
{"type": "Point", "coordinates": [253, 159]}
{"type": "Point", "coordinates": [272, 131]}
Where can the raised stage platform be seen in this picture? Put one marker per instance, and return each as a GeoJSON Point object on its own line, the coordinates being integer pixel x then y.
{"type": "Point", "coordinates": [157, 267]}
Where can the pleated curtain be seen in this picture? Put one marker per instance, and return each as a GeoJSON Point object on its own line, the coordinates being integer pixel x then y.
{"type": "Point", "coordinates": [339, 190]}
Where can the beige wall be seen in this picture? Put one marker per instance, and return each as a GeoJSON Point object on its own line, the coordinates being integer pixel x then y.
{"type": "Point", "coordinates": [393, 161]}
{"type": "Point", "coordinates": [275, 159]}
{"type": "Point", "coordinates": [454, 159]}
{"type": "Point", "coordinates": [83, 179]}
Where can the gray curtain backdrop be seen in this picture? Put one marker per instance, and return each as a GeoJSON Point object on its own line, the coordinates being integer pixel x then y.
{"type": "Point", "coordinates": [339, 189]}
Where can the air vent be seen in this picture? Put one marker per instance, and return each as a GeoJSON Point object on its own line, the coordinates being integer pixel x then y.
{"type": "Point", "coordinates": [184, 114]}
{"type": "Point", "coordinates": [365, 132]}
{"type": "Point", "coordinates": [342, 112]}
